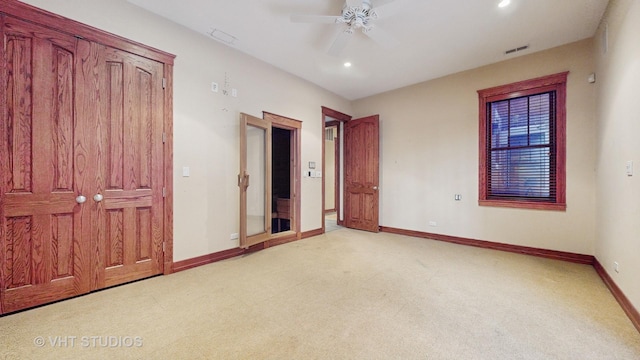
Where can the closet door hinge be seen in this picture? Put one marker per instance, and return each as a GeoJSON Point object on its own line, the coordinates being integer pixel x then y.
{"type": "Point", "coordinates": [163, 246]}
{"type": "Point", "coordinates": [164, 138]}
{"type": "Point", "coordinates": [164, 192]}
{"type": "Point", "coordinates": [164, 83]}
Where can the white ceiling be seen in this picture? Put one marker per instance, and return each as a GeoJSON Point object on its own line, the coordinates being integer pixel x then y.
{"type": "Point", "coordinates": [435, 37]}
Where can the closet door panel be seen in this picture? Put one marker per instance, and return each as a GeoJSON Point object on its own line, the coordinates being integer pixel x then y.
{"type": "Point", "coordinates": [129, 218]}
{"type": "Point", "coordinates": [44, 230]}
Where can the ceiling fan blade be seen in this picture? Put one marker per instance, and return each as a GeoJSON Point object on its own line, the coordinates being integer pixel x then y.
{"type": "Point", "coordinates": [381, 37]}
{"type": "Point", "coordinates": [391, 8]}
{"type": "Point", "coordinates": [340, 43]}
{"type": "Point", "coordinates": [324, 19]}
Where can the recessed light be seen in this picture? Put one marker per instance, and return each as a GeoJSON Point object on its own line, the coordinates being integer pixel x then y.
{"type": "Point", "coordinates": [347, 64]}
{"type": "Point", "coordinates": [504, 3]}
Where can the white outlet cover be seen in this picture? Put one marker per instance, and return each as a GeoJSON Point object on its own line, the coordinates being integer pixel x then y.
{"type": "Point", "coordinates": [214, 87]}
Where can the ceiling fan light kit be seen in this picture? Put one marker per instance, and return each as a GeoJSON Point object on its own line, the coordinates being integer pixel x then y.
{"type": "Point", "coordinates": [356, 15]}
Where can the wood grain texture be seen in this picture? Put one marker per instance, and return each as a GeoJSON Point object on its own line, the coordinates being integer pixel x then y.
{"type": "Point", "coordinates": [74, 28]}
{"type": "Point", "coordinates": [295, 170]}
{"type": "Point", "coordinates": [168, 170]}
{"type": "Point", "coordinates": [130, 175]}
{"type": "Point", "coordinates": [53, 69]}
{"type": "Point", "coordinates": [5, 168]}
{"type": "Point", "coordinates": [262, 126]}
{"type": "Point", "coordinates": [42, 247]}
{"type": "Point", "coordinates": [361, 180]}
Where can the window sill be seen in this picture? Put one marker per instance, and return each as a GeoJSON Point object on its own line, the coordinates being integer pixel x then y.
{"type": "Point", "coordinates": [524, 205]}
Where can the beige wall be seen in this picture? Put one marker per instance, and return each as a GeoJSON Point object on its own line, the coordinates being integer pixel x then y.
{"type": "Point", "coordinates": [429, 153]}
{"type": "Point", "coordinates": [618, 141]}
{"type": "Point", "coordinates": [206, 136]}
{"type": "Point", "coordinates": [429, 140]}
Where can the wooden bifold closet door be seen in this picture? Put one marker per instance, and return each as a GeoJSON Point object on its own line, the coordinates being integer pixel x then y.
{"type": "Point", "coordinates": [81, 166]}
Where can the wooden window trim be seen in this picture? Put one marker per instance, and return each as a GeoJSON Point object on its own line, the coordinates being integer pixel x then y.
{"type": "Point", "coordinates": [555, 82]}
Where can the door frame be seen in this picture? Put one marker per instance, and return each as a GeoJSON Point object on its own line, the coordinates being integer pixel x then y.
{"type": "Point", "coordinates": [269, 239]}
{"type": "Point", "coordinates": [295, 171]}
{"type": "Point", "coordinates": [338, 118]}
{"type": "Point", "coordinates": [336, 178]}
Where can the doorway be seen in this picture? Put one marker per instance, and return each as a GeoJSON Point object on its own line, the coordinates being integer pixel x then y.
{"type": "Point", "coordinates": [269, 180]}
{"type": "Point", "coordinates": [280, 180]}
{"type": "Point", "coordinates": [332, 122]}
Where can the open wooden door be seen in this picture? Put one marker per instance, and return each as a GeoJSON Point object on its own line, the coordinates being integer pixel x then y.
{"type": "Point", "coordinates": [361, 156]}
{"type": "Point", "coordinates": [254, 180]}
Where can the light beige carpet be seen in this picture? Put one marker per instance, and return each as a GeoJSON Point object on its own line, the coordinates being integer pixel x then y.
{"type": "Point", "coordinates": [343, 295]}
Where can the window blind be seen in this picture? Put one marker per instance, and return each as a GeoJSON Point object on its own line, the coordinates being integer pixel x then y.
{"type": "Point", "coordinates": [521, 148]}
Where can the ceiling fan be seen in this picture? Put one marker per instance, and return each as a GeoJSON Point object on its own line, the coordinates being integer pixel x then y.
{"type": "Point", "coordinates": [356, 15]}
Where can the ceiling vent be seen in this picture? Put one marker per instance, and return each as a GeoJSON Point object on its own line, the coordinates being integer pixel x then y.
{"type": "Point", "coordinates": [223, 37]}
{"type": "Point", "coordinates": [515, 50]}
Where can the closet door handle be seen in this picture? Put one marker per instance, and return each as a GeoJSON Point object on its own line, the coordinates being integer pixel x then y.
{"type": "Point", "coordinates": [97, 197]}
{"type": "Point", "coordinates": [81, 199]}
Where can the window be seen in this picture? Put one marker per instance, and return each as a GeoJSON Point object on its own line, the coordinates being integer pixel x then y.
{"type": "Point", "coordinates": [522, 144]}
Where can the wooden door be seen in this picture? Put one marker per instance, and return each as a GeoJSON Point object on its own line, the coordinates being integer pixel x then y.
{"type": "Point", "coordinates": [361, 195]}
{"type": "Point", "coordinates": [45, 157]}
{"type": "Point", "coordinates": [128, 236]}
{"type": "Point", "coordinates": [254, 180]}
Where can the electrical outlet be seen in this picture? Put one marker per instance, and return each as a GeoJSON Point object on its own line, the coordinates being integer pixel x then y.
{"type": "Point", "coordinates": [433, 223]}
{"type": "Point", "coordinates": [235, 236]}
{"type": "Point", "coordinates": [616, 266]}
{"type": "Point", "coordinates": [457, 197]}
{"type": "Point", "coordinates": [214, 86]}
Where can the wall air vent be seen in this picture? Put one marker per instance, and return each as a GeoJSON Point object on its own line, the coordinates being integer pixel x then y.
{"type": "Point", "coordinates": [515, 50]}
{"type": "Point", "coordinates": [222, 36]}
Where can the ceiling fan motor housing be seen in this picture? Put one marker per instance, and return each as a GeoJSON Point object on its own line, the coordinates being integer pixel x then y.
{"type": "Point", "coordinates": [358, 16]}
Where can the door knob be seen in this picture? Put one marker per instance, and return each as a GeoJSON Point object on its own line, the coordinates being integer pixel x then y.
{"type": "Point", "coordinates": [80, 199]}
{"type": "Point", "coordinates": [375, 188]}
{"type": "Point", "coordinates": [97, 197]}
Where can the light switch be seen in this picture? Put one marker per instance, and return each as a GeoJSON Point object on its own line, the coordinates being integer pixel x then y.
{"type": "Point", "coordinates": [185, 171]}
{"type": "Point", "coordinates": [629, 168]}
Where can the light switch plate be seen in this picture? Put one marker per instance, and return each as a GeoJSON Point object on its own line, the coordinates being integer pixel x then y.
{"type": "Point", "coordinates": [185, 171]}
{"type": "Point", "coordinates": [629, 168]}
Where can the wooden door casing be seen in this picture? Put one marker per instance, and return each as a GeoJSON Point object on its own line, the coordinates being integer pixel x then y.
{"type": "Point", "coordinates": [361, 196]}
{"type": "Point", "coordinates": [129, 220]}
{"type": "Point", "coordinates": [44, 152]}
